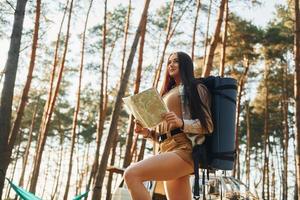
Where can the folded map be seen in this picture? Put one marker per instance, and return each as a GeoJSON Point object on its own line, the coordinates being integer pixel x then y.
{"type": "Point", "coordinates": [147, 107]}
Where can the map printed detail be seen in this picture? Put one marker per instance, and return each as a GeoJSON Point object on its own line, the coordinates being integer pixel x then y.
{"type": "Point", "coordinates": [147, 107]}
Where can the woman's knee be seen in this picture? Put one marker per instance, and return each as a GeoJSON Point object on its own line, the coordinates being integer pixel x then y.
{"type": "Point", "coordinates": [130, 175]}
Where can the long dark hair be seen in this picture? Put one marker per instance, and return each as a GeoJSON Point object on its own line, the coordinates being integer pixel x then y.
{"type": "Point", "coordinates": [186, 71]}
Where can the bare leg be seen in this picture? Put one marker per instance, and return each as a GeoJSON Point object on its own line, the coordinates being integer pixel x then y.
{"type": "Point", "coordinates": [178, 189]}
{"type": "Point", "coordinates": [162, 167]}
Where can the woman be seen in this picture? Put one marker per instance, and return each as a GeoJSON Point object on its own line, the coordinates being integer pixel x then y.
{"type": "Point", "coordinates": [189, 118]}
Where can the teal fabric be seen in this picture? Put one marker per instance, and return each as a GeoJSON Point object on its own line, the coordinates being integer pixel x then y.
{"type": "Point", "coordinates": [23, 193]}
{"type": "Point", "coordinates": [81, 196]}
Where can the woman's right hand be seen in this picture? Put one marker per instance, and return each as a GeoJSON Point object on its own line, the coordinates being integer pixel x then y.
{"type": "Point", "coordinates": [139, 129]}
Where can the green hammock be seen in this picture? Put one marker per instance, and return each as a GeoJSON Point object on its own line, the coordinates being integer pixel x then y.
{"type": "Point", "coordinates": [23, 193]}
{"type": "Point", "coordinates": [81, 195]}
{"type": "Point", "coordinates": [29, 196]}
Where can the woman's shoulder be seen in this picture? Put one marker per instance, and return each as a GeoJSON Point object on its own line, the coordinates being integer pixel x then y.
{"type": "Point", "coordinates": [203, 92]}
{"type": "Point", "coordinates": [201, 87]}
{"type": "Point", "coordinates": [174, 89]}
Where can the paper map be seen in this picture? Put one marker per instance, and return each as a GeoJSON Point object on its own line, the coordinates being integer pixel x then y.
{"type": "Point", "coordinates": [147, 107]}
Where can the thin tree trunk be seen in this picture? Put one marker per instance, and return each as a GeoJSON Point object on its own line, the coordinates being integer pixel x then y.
{"type": "Point", "coordinates": [236, 169]}
{"type": "Point", "coordinates": [112, 162]}
{"type": "Point", "coordinates": [56, 181]}
{"type": "Point", "coordinates": [295, 165]}
{"type": "Point", "coordinates": [169, 35]}
{"type": "Point", "coordinates": [46, 174]}
{"type": "Point", "coordinates": [55, 62]}
{"type": "Point", "coordinates": [280, 168]}
{"type": "Point", "coordinates": [8, 88]}
{"type": "Point", "coordinates": [31, 169]}
{"type": "Point", "coordinates": [15, 165]}
{"type": "Point", "coordinates": [266, 136]}
{"type": "Point", "coordinates": [26, 154]}
{"type": "Point", "coordinates": [129, 139]}
{"type": "Point", "coordinates": [101, 114]}
{"type": "Point", "coordinates": [105, 96]}
{"type": "Point", "coordinates": [51, 108]}
{"type": "Point", "coordinates": [297, 89]}
{"type": "Point", "coordinates": [84, 168]}
{"type": "Point", "coordinates": [214, 42]}
{"type": "Point", "coordinates": [158, 50]}
{"type": "Point", "coordinates": [248, 145]}
{"type": "Point", "coordinates": [24, 98]}
{"type": "Point", "coordinates": [125, 38]}
{"type": "Point", "coordinates": [195, 28]}
{"type": "Point", "coordinates": [142, 150]}
{"type": "Point", "coordinates": [168, 30]}
{"type": "Point", "coordinates": [207, 31]}
{"type": "Point", "coordinates": [116, 110]}
{"type": "Point", "coordinates": [273, 181]}
{"type": "Point", "coordinates": [133, 146]}
{"type": "Point", "coordinates": [286, 132]}
{"type": "Point", "coordinates": [224, 41]}
{"type": "Point", "coordinates": [77, 108]}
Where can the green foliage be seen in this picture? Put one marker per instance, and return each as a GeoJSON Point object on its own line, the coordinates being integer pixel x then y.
{"type": "Point", "coordinates": [275, 43]}
{"type": "Point", "coordinates": [243, 37]}
{"type": "Point", "coordinates": [258, 106]}
{"type": "Point", "coordinates": [87, 120]}
{"type": "Point", "coordinates": [278, 37]}
{"type": "Point", "coordinates": [114, 31]}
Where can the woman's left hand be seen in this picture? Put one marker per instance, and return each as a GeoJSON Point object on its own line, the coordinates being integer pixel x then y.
{"type": "Point", "coordinates": [173, 120]}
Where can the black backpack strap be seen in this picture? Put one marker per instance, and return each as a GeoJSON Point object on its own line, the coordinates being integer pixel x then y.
{"type": "Point", "coordinates": [196, 189]}
{"type": "Point", "coordinates": [217, 90]}
{"type": "Point", "coordinates": [199, 155]}
{"type": "Point", "coordinates": [225, 96]}
{"type": "Point", "coordinates": [226, 87]}
{"type": "Point", "coordinates": [225, 155]}
{"type": "Point", "coordinates": [203, 184]}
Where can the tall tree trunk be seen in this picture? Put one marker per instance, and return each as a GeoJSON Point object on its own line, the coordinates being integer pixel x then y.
{"type": "Point", "coordinates": [81, 171]}
{"type": "Point", "coordinates": [295, 165]}
{"type": "Point", "coordinates": [169, 35]}
{"type": "Point", "coordinates": [55, 62]}
{"type": "Point", "coordinates": [279, 166]}
{"type": "Point", "coordinates": [51, 108]}
{"type": "Point", "coordinates": [224, 41]}
{"type": "Point", "coordinates": [24, 98]}
{"type": "Point", "coordinates": [195, 28]}
{"type": "Point", "coordinates": [62, 152]}
{"type": "Point", "coordinates": [46, 173]}
{"type": "Point", "coordinates": [236, 169]}
{"type": "Point", "coordinates": [125, 38]}
{"type": "Point", "coordinates": [167, 40]}
{"type": "Point", "coordinates": [8, 88]}
{"type": "Point", "coordinates": [15, 164]}
{"type": "Point", "coordinates": [248, 145]}
{"type": "Point", "coordinates": [297, 89]}
{"type": "Point", "coordinates": [116, 110]}
{"type": "Point", "coordinates": [58, 170]}
{"type": "Point", "coordinates": [142, 150]}
{"type": "Point", "coordinates": [112, 162]}
{"type": "Point", "coordinates": [273, 184]}
{"type": "Point", "coordinates": [129, 139]}
{"type": "Point", "coordinates": [214, 41]}
{"type": "Point", "coordinates": [101, 111]}
{"type": "Point", "coordinates": [26, 154]}
{"type": "Point", "coordinates": [266, 136]}
{"type": "Point", "coordinates": [286, 132]}
{"type": "Point", "coordinates": [77, 108]}
{"type": "Point", "coordinates": [207, 31]}
{"type": "Point", "coordinates": [134, 146]}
